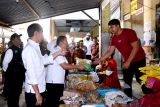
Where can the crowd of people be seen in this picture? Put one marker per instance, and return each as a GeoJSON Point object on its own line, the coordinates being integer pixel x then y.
{"type": "Point", "coordinates": [42, 68]}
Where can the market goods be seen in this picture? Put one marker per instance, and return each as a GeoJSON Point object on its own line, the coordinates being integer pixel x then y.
{"type": "Point", "coordinates": [84, 62]}
{"type": "Point", "coordinates": [80, 82]}
{"type": "Point", "coordinates": [86, 85]}
{"type": "Point", "coordinates": [87, 67]}
{"type": "Point", "coordinates": [92, 97]}
{"type": "Point", "coordinates": [73, 97]}
{"type": "Point", "coordinates": [73, 80]}
{"type": "Point", "coordinates": [150, 71]}
{"type": "Point", "coordinates": [86, 77]}
{"type": "Point", "coordinates": [106, 72]}
{"type": "Point", "coordinates": [116, 97]}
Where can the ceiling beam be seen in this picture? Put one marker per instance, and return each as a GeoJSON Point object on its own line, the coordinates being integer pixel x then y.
{"type": "Point", "coordinates": [4, 24]}
{"type": "Point", "coordinates": [31, 8]}
{"type": "Point", "coordinates": [90, 17]}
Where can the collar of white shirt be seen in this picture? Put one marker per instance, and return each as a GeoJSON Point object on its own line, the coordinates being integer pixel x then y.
{"type": "Point", "coordinates": [33, 43]}
{"type": "Point", "coordinates": [57, 48]}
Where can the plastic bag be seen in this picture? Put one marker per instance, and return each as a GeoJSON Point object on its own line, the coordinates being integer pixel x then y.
{"type": "Point", "coordinates": [153, 83]}
{"type": "Point", "coordinates": [84, 62]}
{"type": "Point", "coordinates": [95, 77]}
{"type": "Point", "coordinates": [117, 97]}
{"type": "Point", "coordinates": [108, 72]}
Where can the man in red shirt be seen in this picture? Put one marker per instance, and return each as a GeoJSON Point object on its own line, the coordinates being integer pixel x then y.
{"type": "Point", "coordinates": [126, 41]}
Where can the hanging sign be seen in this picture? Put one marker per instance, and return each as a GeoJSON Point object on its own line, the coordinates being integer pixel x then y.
{"type": "Point", "coordinates": [139, 11]}
{"type": "Point", "coordinates": [127, 16]}
{"type": "Point", "coordinates": [134, 6]}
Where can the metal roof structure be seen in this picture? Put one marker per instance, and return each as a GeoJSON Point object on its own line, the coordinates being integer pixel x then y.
{"type": "Point", "coordinates": [14, 12]}
{"type": "Point", "coordinates": [67, 25]}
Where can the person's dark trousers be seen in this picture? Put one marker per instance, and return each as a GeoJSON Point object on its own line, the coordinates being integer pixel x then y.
{"type": "Point", "coordinates": [88, 57]}
{"type": "Point", "coordinates": [31, 100]}
{"type": "Point", "coordinates": [94, 67]}
{"type": "Point", "coordinates": [13, 93]}
{"type": "Point", "coordinates": [4, 87]}
{"type": "Point", "coordinates": [54, 92]}
{"type": "Point", "coordinates": [128, 76]}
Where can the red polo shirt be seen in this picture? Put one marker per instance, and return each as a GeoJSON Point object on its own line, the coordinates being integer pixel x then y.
{"type": "Point", "coordinates": [123, 43]}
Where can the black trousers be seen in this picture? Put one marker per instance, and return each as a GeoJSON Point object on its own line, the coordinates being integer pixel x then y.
{"type": "Point", "coordinates": [128, 76]}
{"type": "Point", "coordinates": [4, 87]}
{"type": "Point", "coordinates": [54, 92]}
{"type": "Point", "coordinates": [31, 100]}
{"type": "Point", "coordinates": [13, 90]}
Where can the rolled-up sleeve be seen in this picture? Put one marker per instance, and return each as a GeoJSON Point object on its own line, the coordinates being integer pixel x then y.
{"type": "Point", "coordinates": [30, 67]}
{"type": "Point", "coordinates": [61, 59]}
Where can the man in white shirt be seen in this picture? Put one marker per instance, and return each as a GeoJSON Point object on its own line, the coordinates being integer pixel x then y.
{"type": "Point", "coordinates": [55, 77]}
{"type": "Point", "coordinates": [88, 43]}
{"type": "Point", "coordinates": [14, 71]}
{"type": "Point", "coordinates": [34, 62]}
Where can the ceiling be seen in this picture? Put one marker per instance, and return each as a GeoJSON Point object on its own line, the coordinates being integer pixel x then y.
{"type": "Point", "coordinates": [70, 25]}
{"type": "Point", "coordinates": [14, 12]}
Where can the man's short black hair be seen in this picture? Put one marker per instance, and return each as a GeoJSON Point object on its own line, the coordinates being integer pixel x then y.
{"type": "Point", "coordinates": [33, 28]}
{"type": "Point", "coordinates": [114, 22]}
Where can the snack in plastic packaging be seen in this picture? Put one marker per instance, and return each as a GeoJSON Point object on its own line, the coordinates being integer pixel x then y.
{"type": "Point", "coordinates": [117, 97]}
{"type": "Point", "coordinates": [92, 97]}
{"type": "Point", "coordinates": [84, 62]}
{"type": "Point", "coordinates": [86, 85]}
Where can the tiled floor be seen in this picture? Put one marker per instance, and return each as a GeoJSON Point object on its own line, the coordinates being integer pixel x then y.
{"type": "Point", "coordinates": [137, 92]}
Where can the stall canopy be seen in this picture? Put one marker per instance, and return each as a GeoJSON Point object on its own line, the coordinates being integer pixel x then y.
{"type": "Point", "coordinates": [14, 12]}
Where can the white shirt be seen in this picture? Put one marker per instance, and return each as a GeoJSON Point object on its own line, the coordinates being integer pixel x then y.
{"type": "Point", "coordinates": [7, 59]}
{"type": "Point", "coordinates": [51, 45]}
{"type": "Point", "coordinates": [88, 44]}
{"type": "Point", "coordinates": [55, 73]}
{"type": "Point", "coordinates": [34, 63]}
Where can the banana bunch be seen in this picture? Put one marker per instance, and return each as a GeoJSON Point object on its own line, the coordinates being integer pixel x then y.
{"type": "Point", "coordinates": [152, 71]}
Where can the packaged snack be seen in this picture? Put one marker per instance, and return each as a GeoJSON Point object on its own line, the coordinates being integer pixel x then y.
{"type": "Point", "coordinates": [84, 62]}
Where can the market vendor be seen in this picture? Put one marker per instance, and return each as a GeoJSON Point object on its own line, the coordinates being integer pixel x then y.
{"type": "Point", "coordinates": [110, 79]}
{"type": "Point", "coordinates": [55, 76]}
{"type": "Point", "coordinates": [126, 41]}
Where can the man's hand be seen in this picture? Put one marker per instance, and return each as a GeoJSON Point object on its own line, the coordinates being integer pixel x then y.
{"type": "Point", "coordinates": [80, 67]}
{"type": "Point", "coordinates": [126, 65]}
{"type": "Point", "coordinates": [96, 61]}
{"type": "Point", "coordinates": [39, 99]}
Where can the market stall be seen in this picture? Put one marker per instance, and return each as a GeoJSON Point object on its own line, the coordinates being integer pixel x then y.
{"type": "Point", "coordinates": [83, 89]}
